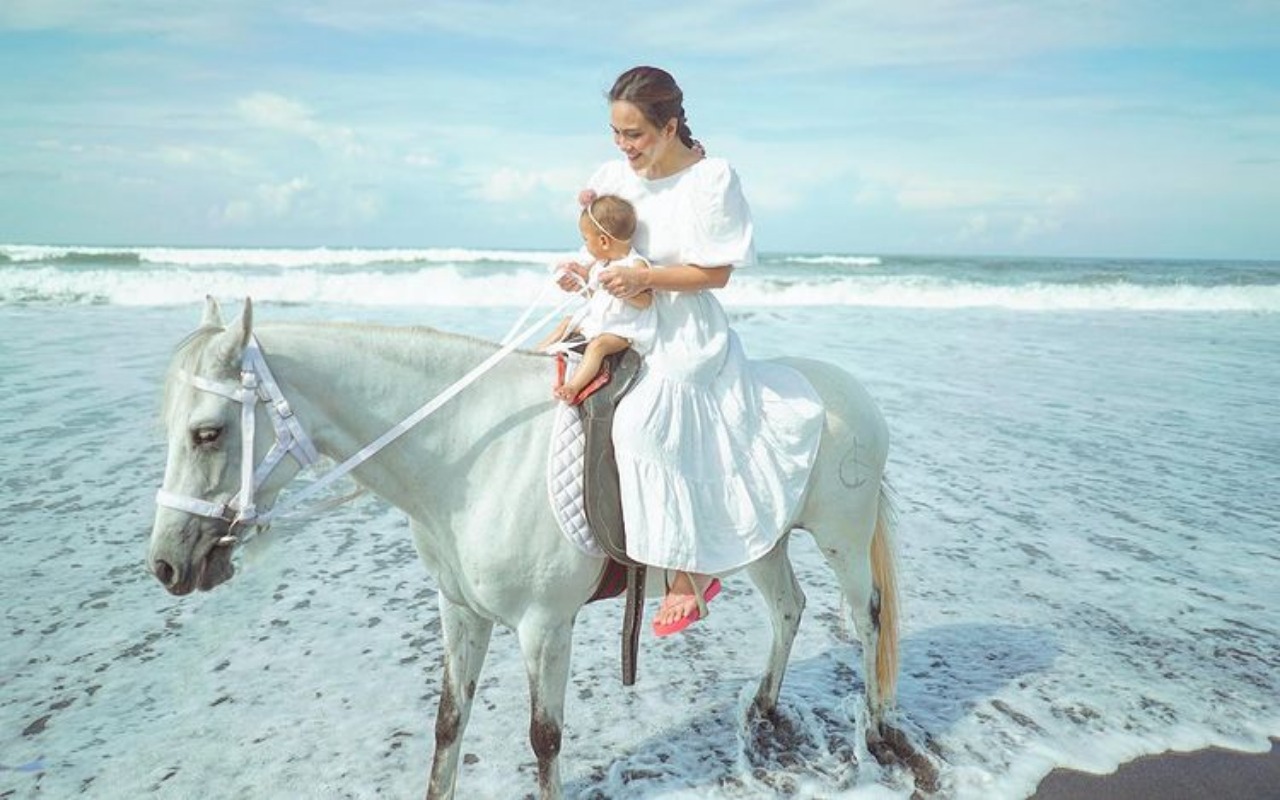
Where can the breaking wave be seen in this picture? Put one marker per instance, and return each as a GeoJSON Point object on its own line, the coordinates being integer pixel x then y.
{"type": "Point", "coordinates": [147, 276]}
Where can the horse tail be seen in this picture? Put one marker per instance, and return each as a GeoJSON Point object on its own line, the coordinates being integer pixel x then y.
{"type": "Point", "coordinates": [885, 601]}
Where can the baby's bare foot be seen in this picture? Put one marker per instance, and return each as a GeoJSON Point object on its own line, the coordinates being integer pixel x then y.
{"type": "Point", "coordinates": [566, 392]}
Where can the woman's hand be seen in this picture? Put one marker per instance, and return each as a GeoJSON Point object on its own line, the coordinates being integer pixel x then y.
{"type": "Point", "coordinates": [571, 276]}
{"type": "Point", "coordinates": [624, 282]}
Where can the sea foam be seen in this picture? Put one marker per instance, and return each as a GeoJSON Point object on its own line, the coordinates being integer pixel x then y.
{"type": "Point", "coordinates": [274, 257]}
{"type": "Point", "coordinates": [1086, 560]}
{"type": "Point", "coordinates": [51, 275]}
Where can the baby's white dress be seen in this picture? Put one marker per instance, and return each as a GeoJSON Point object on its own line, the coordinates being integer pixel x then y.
{"type": "Point", "coordinates": [714, 451]}
{"type": "Point", "coordinates": [605, 313]}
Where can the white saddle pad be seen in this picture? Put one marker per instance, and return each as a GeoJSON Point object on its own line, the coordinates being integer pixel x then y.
{"type": "Point", "coordinates": [564, 479]}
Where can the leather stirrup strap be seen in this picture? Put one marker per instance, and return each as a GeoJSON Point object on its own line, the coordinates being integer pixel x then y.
{"type": "Point", "coordinates": [632, 621]}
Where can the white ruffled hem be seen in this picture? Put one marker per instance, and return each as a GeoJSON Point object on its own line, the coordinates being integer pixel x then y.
{"type": "Point", "coordinates": [712, 476]}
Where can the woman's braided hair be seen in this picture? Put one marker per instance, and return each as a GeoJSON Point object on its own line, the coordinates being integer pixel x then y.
{"type": "Point", "coordinates": [658, 97]}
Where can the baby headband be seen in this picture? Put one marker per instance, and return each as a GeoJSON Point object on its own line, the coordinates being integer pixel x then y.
{"type": "Point", "coordinates": [596, 222]}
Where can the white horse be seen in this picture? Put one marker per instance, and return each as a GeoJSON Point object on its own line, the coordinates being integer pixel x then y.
{"type": "Point", "coordinates": [495, 561]}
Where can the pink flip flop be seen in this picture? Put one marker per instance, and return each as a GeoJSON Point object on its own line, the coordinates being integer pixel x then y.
{"type": "Point", "coordinates": [668, 628]}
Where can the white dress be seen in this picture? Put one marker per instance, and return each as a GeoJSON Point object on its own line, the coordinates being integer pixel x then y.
{"type": "Point", "coordinates": [714, 451]}
{"type": "Point", "coordinates": [605, 313]}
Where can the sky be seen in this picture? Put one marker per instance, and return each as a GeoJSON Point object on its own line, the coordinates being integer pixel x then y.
{"type": "Point", "coordinates": [1130, 128]}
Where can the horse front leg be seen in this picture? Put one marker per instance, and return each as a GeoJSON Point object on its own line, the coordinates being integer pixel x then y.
{"type": "Point", "coordinates": [545, 645]}
{"type": "Point", "coordinates": [774, 578]}
{"type": "Point", "coordinates": [466, 640]}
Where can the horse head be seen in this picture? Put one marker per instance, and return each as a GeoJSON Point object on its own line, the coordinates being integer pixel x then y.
{"type": "Point", "coordinates": [200, 505]}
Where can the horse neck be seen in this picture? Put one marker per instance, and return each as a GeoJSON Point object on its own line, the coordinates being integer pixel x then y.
{"type": "Point", "coordinates": [349, 384]}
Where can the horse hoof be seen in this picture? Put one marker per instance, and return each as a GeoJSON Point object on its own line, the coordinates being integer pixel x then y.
{"type": "Point", "coordinates": [881, 750]}
{"type": "Point", "coordinates": [891, 746]}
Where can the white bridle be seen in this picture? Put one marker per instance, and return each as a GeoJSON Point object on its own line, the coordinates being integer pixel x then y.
{"type": "Point", "coordinates": [258, 385]}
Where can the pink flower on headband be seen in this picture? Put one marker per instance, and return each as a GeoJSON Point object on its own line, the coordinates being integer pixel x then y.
{"type": "Point", "coordinates": [586, 197]}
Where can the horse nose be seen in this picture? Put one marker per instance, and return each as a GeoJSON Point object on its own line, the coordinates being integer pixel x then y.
{"type": "Point", "coordinates": [165, 572]}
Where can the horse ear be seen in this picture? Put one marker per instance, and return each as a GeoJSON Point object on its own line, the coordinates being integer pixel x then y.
{"type": "Point", "coordinates": [212, 314]}
{"type": "Point", "coordinates": [243, 327]}
{"type": "Point", "coordinates": [231, 342]}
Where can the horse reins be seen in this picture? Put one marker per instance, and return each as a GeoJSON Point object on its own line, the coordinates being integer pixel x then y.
{"type": "Point", "coordinates": [258, 385]}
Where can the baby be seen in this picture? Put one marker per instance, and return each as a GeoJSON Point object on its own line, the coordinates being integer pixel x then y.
{"type": "Point", "coordinates": [610, 324]}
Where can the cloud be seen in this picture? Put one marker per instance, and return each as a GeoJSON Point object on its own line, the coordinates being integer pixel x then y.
{"type": "Point", "coordinates": [986, 228]}
{"type": "Point", "coordinates": [276, 112]}
{"type": "Point", "coordinates": [796, 36]}
{"type": "Point", "coordinates": [278, 199]}
{"type": "Point", "coordinates": [925, 197]}
{"type": "Point", "coordinates": [204, 157]}
{"type": "Point", "coordinates": [849, 122]}
{"type": "Point", "coordinates": [486, 18]}
{"type": "Point", "coordinates": [919, 193]}
{"type": "Point", "coordinates": [977, 213]}
{"type": "Point", "coordinates": [767, 195]}
{"type": "Point", "coordinates": [1035, 226]}
{"type": "Point", "coordinates": [301, 204]}
{"type": "Point", "coordinates": [236, 213]}
{"type": "Point", "coordinates": [174, 20]}
{"type": "Point", "coordinates": [996, 225]}
{"type": "Point", "coordinates": [803, 36]}
{"type": "Point", "coordinates": [421, 160]}
{"type": "Point", "coordinates": [513, 185]}
{"type": "Point", "coordinates": [975, 228]}
{"type": "Point", "coordinates": [267, 201]}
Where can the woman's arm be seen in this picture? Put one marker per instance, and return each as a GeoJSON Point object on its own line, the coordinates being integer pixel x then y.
{"type": "Point", "coordinates": [628, 281]}
{"type": "Point", "coordinates": [641, 301]}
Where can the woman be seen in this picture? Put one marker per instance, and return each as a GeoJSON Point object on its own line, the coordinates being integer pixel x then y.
{"type": "Point", "coordinates": [713, 451]}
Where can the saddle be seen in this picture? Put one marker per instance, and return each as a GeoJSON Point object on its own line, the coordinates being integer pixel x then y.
{"type": "Point", "coordinates": [602, 499]}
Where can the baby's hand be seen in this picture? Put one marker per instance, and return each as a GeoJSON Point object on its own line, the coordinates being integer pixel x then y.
{"type": "Point", "coordinates": [586, 197]}
{"type": "Point", "coordinates": [571, 276]}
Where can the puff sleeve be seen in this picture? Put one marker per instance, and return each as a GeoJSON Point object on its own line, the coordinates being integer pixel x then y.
{"type": "Point", "coordinates": [722, 230]}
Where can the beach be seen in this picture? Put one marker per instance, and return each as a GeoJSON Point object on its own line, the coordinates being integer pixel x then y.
{"type": "Point", "coordinates": [1203, 773]}
{"type": "Point", "coordinates": [1082, 459]}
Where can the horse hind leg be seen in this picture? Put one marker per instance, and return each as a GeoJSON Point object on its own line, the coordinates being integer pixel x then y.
{"type": "Point", "coordinates": [466, 641]}
{"type": "Point", "coordinates": [774, 578]}
{"type": "Point", "coordinates": [866, 571]}
{"type": "Point", "coordinates": [859, 551]}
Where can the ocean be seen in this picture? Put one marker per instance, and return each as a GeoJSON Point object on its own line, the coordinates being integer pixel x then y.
{"type": "Point", "coordinates": [1084, 458]}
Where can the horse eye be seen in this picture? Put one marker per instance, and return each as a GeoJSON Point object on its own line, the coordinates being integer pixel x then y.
{"type": "Point", "coordinates": [204, 437]}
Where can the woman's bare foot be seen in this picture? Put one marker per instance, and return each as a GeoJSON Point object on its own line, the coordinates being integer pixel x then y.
{"type": "Point", "coordinates": [685, 603]}
{"type": "Point", "coordinates": [679, 601]}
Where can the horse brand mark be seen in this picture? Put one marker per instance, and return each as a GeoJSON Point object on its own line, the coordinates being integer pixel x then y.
{"type": "Point", "coordinates": [853, 473]}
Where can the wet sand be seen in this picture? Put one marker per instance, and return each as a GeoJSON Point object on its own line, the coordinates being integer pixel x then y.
{"type": "Point", "coordinates": [1216, 773]}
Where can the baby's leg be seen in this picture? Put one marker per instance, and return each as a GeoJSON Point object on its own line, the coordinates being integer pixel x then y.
{"type": "Point", "coordinates": [556, 336]}
{"type": "Point", "coordinates": [603, 345]}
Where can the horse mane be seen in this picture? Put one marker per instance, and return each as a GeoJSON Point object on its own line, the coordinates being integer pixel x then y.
{"type": "Point", "coordinates": [186, 357]}
{"type": "Point", "coordinates": [410, 345]}
{"type": "Point", "coordinates": [407, 338]}
{"type": "Point", "coordinates": [376, 328]}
